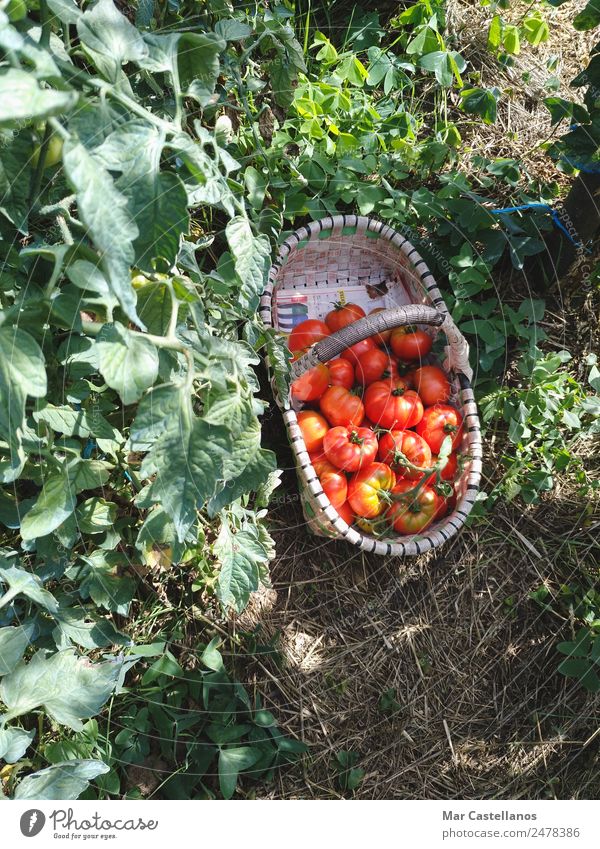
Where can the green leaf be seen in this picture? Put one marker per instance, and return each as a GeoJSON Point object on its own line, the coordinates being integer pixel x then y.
{"type": "Point", "coordinates": [109, 39]}
{"type": "Point", "coordinates": [211, 656]}
{"type": "Point", "coordinates": [535, 29]}
{"type": "Point", "coordinates": [100, 580]}
{"type": "Point", "coordinates": [198, 63]}
{"type": "Point", "coordinates": [82, 423]}
{"type": "Point", "coordinates": [512, 42]}
{"type": "Point", "coordinates": [494, 39]}
{"type": "Point", "coordinates": [231, 763]}
{"type": "Point", "coordinates": [13, 642]}
{"type": "Point", "coordinates": [66, 10]}
{"type": "Point", "coordinates": [103, 210]}
{"type": "Point", "coordinates": [86, 629]}
{"type": "Point", "coordinates": [154, 200]}
{"type": "Point", "coordinates": [15, 158]}
{"type": "Point", "coordinates": [53, 506]}
{"type": "Point", "coordinates": [95, 515]}
{"type": "Point", "coordinates": [589, 17]}
{"type": "Point", "coordinates": [480, 101]}
{"type": "Point", "coordinates": [21, 582]}
{"type": "Point", "coordinates": [252, 258]}
{"type": "Point", "coordinates": [232, 29]}
{"type": "Point", "coordinates": [445, 65]}
{"type": "Point", "coordinates": [128, 362]}
{"type": "Point", "coordinates": [62, 781]}
{"type": "Point", "coordinates": [240, 556]}
{"type": "Point", "coordinates": [14, 743]}
{"type": "Point", "coordinates": [187, 461]}
{"type": "Point", "coordinates": [23, 99]}
{"type": "Point", "coordinates": [68, 687]}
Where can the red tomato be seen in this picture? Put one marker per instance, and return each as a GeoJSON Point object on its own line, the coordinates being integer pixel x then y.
{"type": "Point", "coordinates": [410, 344]}
{"type": "Point", "coordinates": [314, 427]}
{"type": "Point", "coordinates": [448, 473]}
{"type": "Point", "coordinates": [391, 405]}
{"type": "Point", "coordinates": [341, 373]}
{"type": "Point", "coordinates": [396, 443]}
{"type": "Point", "coordinates": [334, 483]}
{"type": "Point", "coordinates": [375, 365]}
{"type": "Point", "coordinates": [437, 423]}
{"type": "Point", "coordinates": [312, 384]}
{"type": "Point", "coordinates": [355, 351]}
{"type": "Point", "coordinates": [383, 337]}
{"type": "Point", "coordinates": [432, 385]}
{"type": "Point", "coordinates": [346, 513]}
{"type": "Point", "coordinates": [350, 448]}
{"type": "Point", "coordinates": [445, 506]}
{"type": "Point", "coordinates": [368, 489]}
{"type": "Point", "coordinates": [342, 407]}
{"type": "Point", "coordinates": [343, 314]}
{"type": "Point", "coordinates": [307, 333]}
{"type": "Point", "coordinates": [411, 514]}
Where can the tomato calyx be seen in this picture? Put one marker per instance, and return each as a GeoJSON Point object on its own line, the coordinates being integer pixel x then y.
{"type": "Point", "coordinates": [355, 439]}
{"type": "Point", "coordinates": [442, 488]}
{"type": "Point", "coordinates": [398, 391]}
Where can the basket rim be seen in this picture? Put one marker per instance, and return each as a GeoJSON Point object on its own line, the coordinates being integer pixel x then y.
{"type": "Point", "coordinates": [447, 527]}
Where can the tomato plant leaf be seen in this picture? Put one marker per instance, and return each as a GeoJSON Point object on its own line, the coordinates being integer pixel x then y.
{"type": "Point", "coordinates": [14, 743]}
{"type": "Point", "coordinates": [21, 582]}
{"type": "Point", "coordinates": [103, 210]}
{"type": "Point", "coordinates": [109, 39]}
{"type": "Point", "coordinates": [61, 781]}
{"type": "Point", "coordinates": [252, 257]}
{"type": "Point", "coordinates": [127, 361]}
{"type": "Point", "coordinates": [70, 688]}
{"type": "Point", "coordinates": [23, 99]}
{"type": "Point", "coordinates": [239, 555]}
{"type": "Point", "coordinates": [13, 641]}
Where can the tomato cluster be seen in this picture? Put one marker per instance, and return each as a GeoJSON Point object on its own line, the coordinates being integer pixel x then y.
{"type": "Point", "coordinates": [377, 424]}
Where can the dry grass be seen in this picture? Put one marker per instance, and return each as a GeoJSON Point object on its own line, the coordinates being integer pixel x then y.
{"type": "Point", "coordinates": [523, 122]}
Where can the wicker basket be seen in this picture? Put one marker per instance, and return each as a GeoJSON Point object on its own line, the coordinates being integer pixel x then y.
{"type": "Point", "coordinates": [359, 259]}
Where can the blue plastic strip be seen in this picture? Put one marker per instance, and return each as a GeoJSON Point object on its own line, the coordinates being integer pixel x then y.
{"type": "Point", "coordinates": [553, 214]}
{"type": "Point", "coordinates": [88, 449]}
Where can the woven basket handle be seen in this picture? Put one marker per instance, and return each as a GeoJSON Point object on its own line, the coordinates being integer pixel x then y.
{"type": "Point", "coordinates": [332, 346]}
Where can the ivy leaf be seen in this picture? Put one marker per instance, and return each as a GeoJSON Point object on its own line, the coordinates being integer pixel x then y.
{"type": "Point", "coordinates": [127, 362]}
{"type": "Point", "coordinates": [109, 39]}
{"type": "Point", "coordinates": [252, 257]}
{"type": "Point", "coordinates": [240, 556]}
{"type": "Point", "coordinates": [14, 743]}
{"type": "Point", "coordinates": [103, 210]}
{"type": "Point", "coordinates": [23, 99]}
{"type": "Point", "coordinates": [68, 687]}
{"type": "Point", "coordinates": [13, 642]}
{"type": "Point", "coordinates": [21, 582]}
{"type": "Point", "coordinates": [62, 781]}
{"type": "Point", "coordinates": [231, 763]}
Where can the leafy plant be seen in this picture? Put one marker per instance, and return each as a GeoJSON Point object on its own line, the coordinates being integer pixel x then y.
{"type": "Point", "coordinates": [349, 776]}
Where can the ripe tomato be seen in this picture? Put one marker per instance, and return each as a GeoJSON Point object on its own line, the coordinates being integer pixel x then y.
{"type": "Point", "coordinates": [355, 351]}
{"type": "Point", "coordinates": [437, 423]}
{"type": "Point", "coordinates": [383, 337]}
{"type": "Point", "coordinates": [334, 483]}
{"type": "Point", "coordinates": [375, 365]}
{"type": "Point", "coordinates": [312, 384]}
{"type": "Point", "coordinates": [410, 344]}
{"type": "Point", "coordinates": [343, 314]}
{"type": "Point", "coordinates": [346, 513]}
{"type": "Point", "coordinates": [390, 404]}
{"type": "Point", "coordinates": [368, 490]}
{"type": "Point", "coordinates": [342, 407]}
{"type": "Point", "coordinates": [350, 448]}
{"type": "Point", "coordinates": [445, 506]}
{"type": "Point", "coordinates": [448, 473]}
{"type": "Point", "coordinates": [341, 373]}
{"type": "Point", "coordinates": [411, 514]}
{"type": "Point", "coordinates": [396, 443]}
{"type": "Point", "coordinates": [432, 385]}
{"type": "Point", "coordinates": [314, 427]}
{"type": "Point", "coordinates": [307, 333]}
